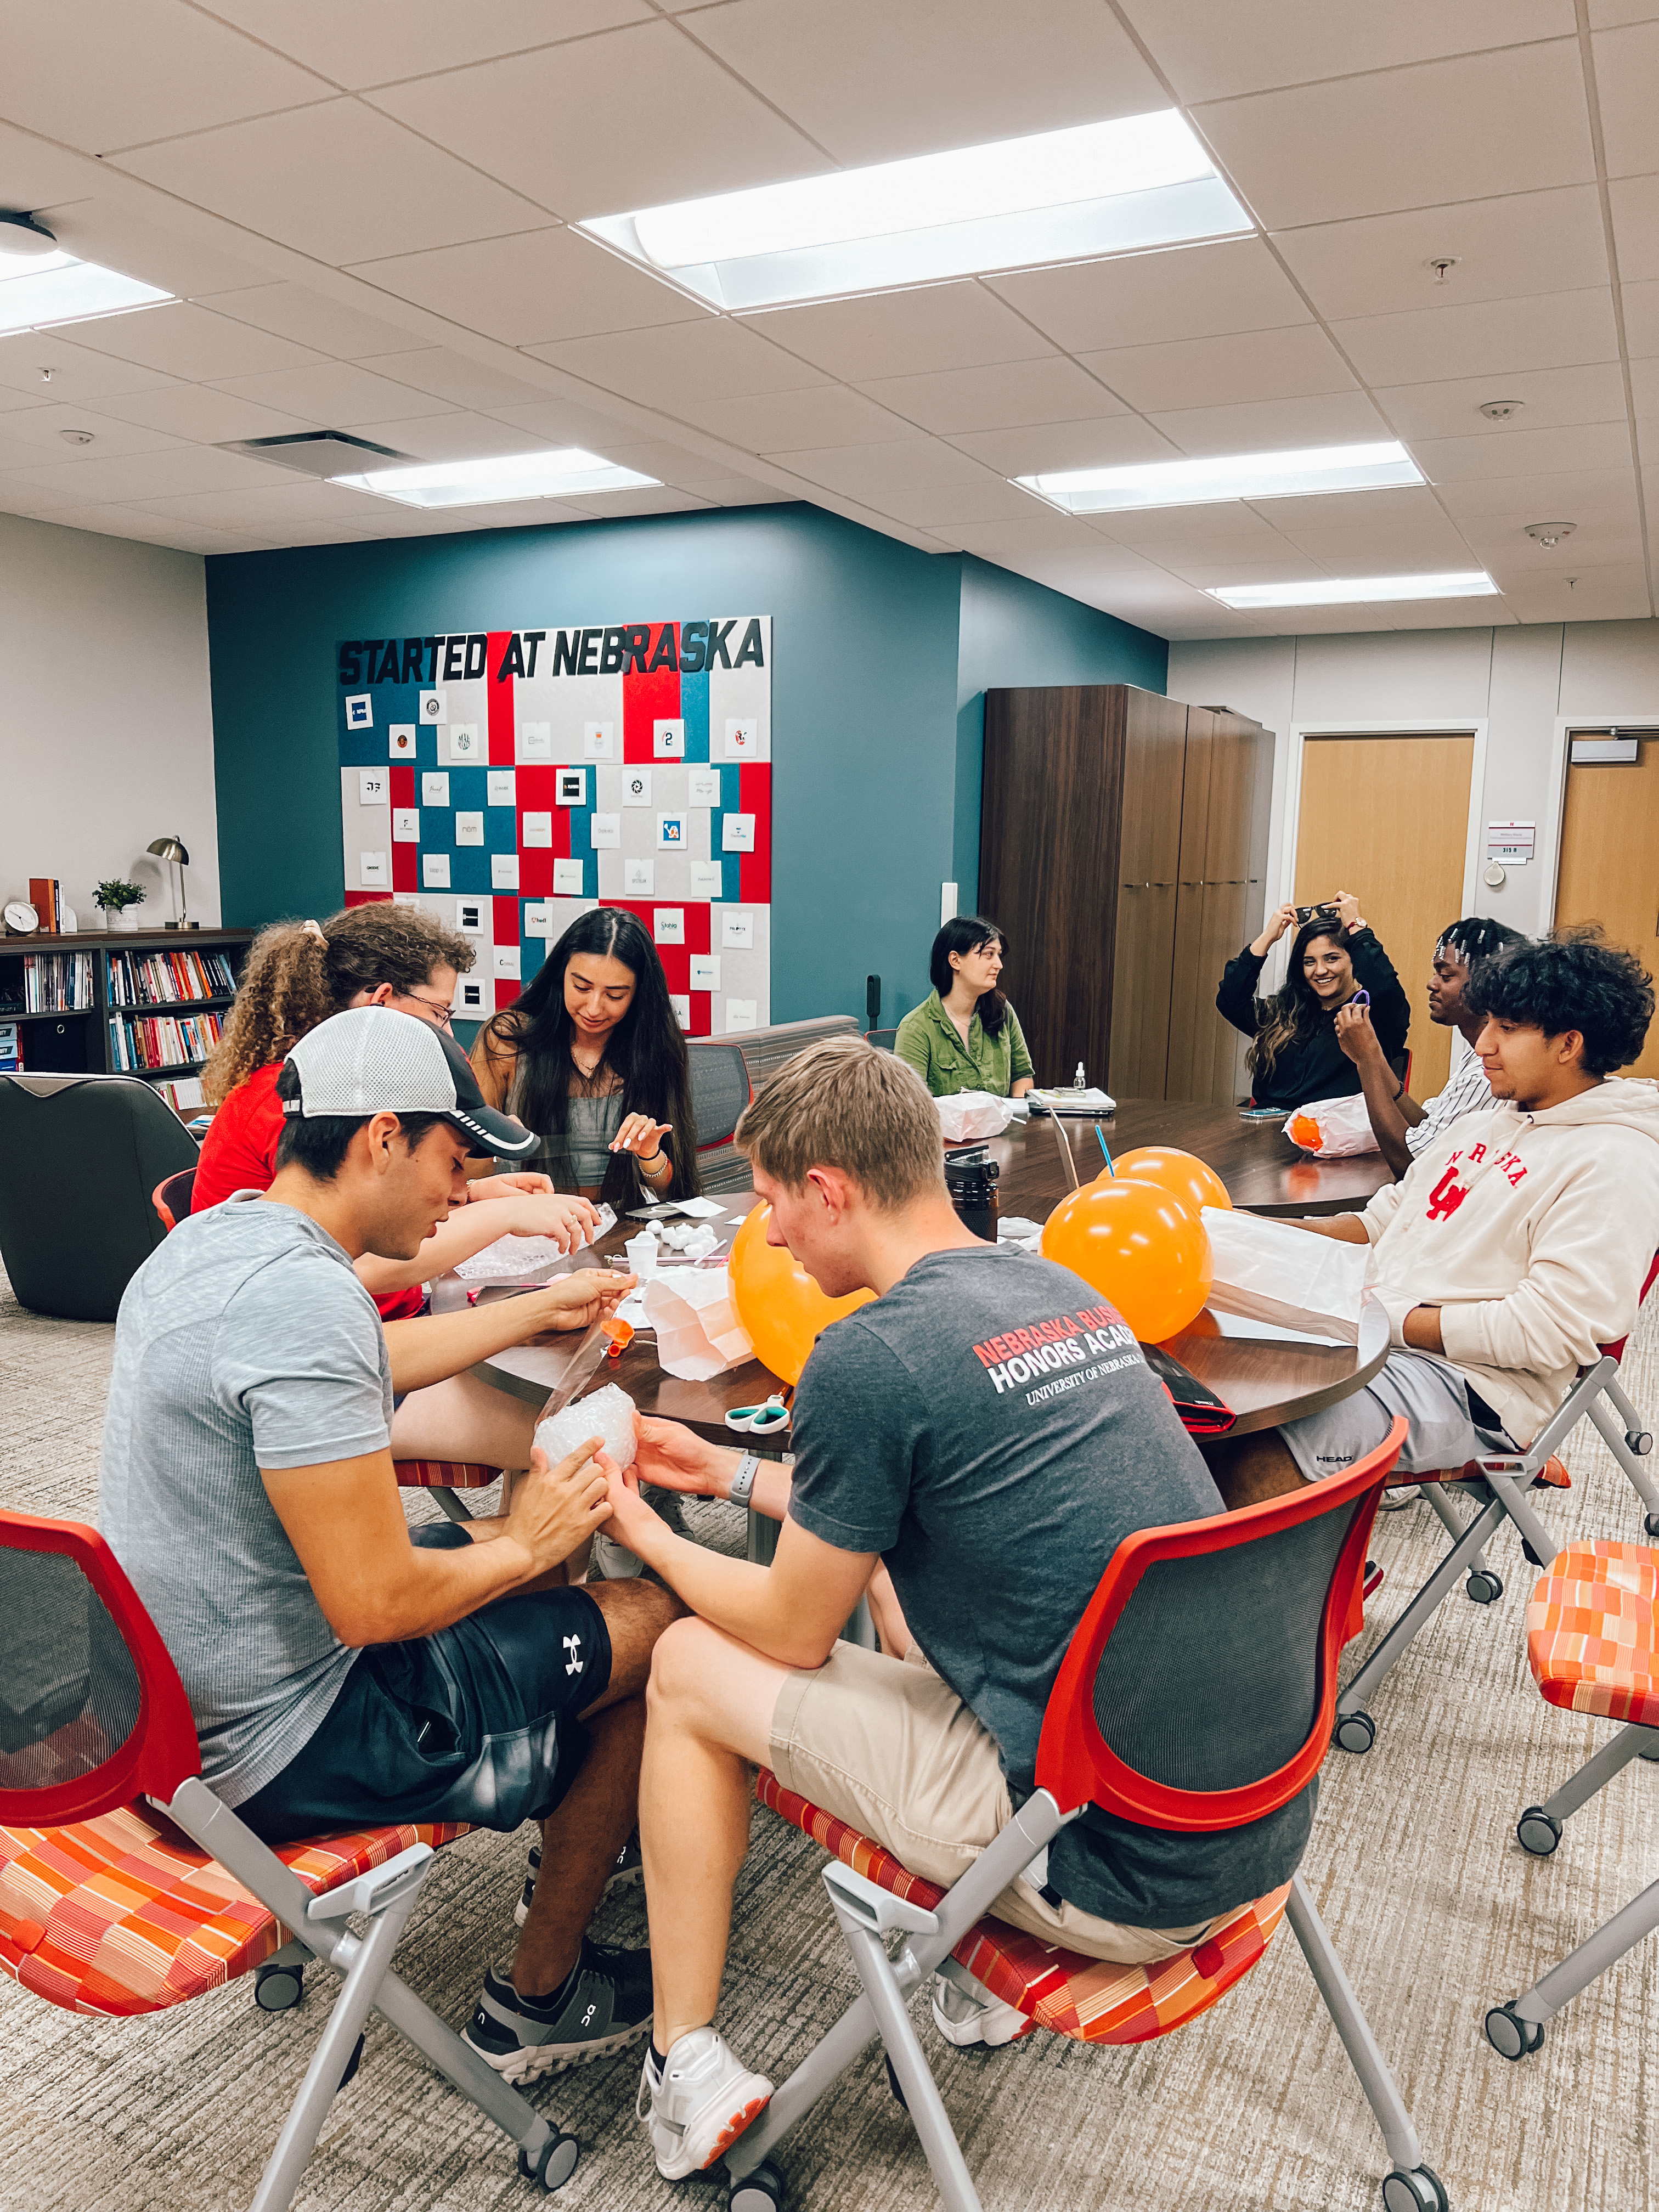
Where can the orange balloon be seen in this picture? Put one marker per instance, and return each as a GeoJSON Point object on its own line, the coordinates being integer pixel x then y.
{"type": "Point", "coordinates": [780, 1305]}
{"type": "Point", "coordinates": [1140, 1248]}
{"type": "Point", "coordinates": [1183, 1174]}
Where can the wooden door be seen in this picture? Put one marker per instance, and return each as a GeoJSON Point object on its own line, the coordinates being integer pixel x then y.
{"type": "Point", "coordinates": [1388, 819]}
{"type": "Point", "coordinates": [1223, 754]}
{"type": "Point", "coordinates": [1148, 872]}
{"type": "Point", "coordinates": [1609, 871]}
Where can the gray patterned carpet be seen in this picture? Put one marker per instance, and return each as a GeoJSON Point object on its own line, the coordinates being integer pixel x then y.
{"type": "Point", "coordinates": [1435, 1909]}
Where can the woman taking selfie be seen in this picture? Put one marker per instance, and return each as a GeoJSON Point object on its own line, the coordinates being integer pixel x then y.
{"type": "Point", "coordinates": [964, 1035]}
{"type": "Point", "coordinates": [591, 1057]}
{"type": "Point", "coordinates": [1295, 1056]}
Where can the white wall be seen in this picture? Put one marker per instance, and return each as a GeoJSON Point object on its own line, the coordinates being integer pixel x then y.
{"type": "Point", "coordinates": [1520, 681]}
{"type": "Point", "coordinates": [106, 739]}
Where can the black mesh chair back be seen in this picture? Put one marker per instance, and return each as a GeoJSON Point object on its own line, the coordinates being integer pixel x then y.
{"type": "Point", "coordinates": [80, 1155]}
{"type": "Point", "coordinates": [69, 1696]}
{"type": "Point", "coordinates": [720, 1092]}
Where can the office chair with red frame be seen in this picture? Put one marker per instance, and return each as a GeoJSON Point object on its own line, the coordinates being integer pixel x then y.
{"type": "Point", "coordinates": [1197, 1694]}
{"type": "Point", "coordinates": [127, 1886]}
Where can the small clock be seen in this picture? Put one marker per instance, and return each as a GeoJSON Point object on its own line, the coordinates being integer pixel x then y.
{"type": "Point", "coordinates": [22, 920]}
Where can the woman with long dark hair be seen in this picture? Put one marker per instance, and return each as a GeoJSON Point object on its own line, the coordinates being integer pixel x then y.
{"type": "Point", "coordinates": [591, 1057]}
{"type": "Point", "coordinates": [1295, 1055]}
{"type": "Point", "coordinates": [964, 1035]}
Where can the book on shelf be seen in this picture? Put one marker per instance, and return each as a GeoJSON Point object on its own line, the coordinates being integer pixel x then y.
{"type": "Point", "coordinates": [141, 1043]}
{"type": "Point", "coordinates": [57, 982]}
{"type": "Point", "coordinates": [45, 896]}
{"type": "Point", "coordinates": [163, 978]}
{"type": "Point", "coordinates": [11, 1057]}
{"type": "Point", "coordinates": [182, 1092]}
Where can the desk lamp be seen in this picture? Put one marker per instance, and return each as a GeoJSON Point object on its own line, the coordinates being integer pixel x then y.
{"type": "Point", "coordinates": [170, 849]}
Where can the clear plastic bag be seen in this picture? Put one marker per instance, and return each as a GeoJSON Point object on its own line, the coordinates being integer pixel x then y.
{"type": "Point", "coordinates": [1332, 1128]}
{"type": "Point", "coordinates": [608, 1412]}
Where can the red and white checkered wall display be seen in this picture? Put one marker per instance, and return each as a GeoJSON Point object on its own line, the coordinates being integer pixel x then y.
{"type": "Point", "coordinates": [507, 780]}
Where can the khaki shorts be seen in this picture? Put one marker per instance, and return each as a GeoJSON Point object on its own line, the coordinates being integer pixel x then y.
{"type": "Point", "coordinates": [888, 1746]}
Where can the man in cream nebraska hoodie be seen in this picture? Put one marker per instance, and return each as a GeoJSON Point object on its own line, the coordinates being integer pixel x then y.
{"type": "Point", "coordinates": [1517, 1243]}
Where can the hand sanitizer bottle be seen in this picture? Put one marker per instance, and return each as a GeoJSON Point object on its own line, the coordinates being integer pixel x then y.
{"type": "Point", "coordinates": [1079, 1082]}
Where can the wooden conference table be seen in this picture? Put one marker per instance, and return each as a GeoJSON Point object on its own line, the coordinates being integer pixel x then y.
{"type": "Point", "coordinates": [1264, 1383]}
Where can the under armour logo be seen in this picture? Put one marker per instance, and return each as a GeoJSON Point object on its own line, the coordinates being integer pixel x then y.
{"type": "Point", "coordinates": [572, 1644]}
{"type": "Point", "coordinates": [1446, 1197]}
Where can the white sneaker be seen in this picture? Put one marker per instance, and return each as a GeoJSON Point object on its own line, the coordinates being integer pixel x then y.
{"type": "Point", "coordinates": [966, 2019]}
{"type": "Point", "coordinates": [707, 2097]}
{"type": "Point", "coordinates": [611, 1562]}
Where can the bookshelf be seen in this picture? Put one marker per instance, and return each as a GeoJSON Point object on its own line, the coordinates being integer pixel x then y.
{"type": "Point", "coordinates": [81, 1039]}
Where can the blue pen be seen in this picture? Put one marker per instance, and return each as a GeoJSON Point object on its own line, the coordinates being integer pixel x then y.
{"type": "Point", "coordinates": [1101, 1141]}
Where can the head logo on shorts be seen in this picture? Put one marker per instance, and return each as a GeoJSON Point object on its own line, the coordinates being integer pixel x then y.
{"type": "Point", "coordinates": [572, 1644]}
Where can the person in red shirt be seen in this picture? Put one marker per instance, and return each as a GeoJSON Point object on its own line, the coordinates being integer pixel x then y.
{"type": "Point", "coordinates": [297, 975]}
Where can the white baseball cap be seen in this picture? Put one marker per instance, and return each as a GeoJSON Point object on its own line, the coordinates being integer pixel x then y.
{"type": "Point", "coordinates": [372, 1060]}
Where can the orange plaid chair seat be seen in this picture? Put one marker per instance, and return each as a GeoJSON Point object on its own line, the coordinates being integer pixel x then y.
{"type": "Point", "coordinates": [1592, 1632]}
{"type": "Point", "coordinates": [1091, 2000]}
{"type": "Point", "coordinates": [444, 1474]}
{"type": "Point", "coordinates": [123, 1914]}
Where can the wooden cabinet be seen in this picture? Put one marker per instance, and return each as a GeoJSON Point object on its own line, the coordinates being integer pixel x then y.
{"type": "Point", "coordinates": [1122, 841]}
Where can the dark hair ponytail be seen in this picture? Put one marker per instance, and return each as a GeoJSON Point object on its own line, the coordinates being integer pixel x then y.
{"type": "Point", "coordinates": [969, 933]}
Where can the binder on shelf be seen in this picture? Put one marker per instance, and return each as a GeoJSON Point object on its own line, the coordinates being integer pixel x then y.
{"type": "Point", "coordinates": [11, 1057]}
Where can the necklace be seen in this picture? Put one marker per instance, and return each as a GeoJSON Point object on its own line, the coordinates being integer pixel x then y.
{"type": "Point", "coordinates": [587, 1070]}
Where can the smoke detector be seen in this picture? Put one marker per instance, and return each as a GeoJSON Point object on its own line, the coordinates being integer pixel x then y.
{"type": "Point", "coordinates": [75, 437]}
{"type": "Point", "coordinates": [1501, 410]}
{"type": "Point", "coordinates": [1550, 533]}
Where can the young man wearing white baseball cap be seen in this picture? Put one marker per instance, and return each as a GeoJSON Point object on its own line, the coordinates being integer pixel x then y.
{"type": "Point", "coordinates": [344, 1670]}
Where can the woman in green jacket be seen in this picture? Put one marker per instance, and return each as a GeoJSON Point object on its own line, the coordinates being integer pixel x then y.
{"type": "Point", "coordinates": [965, 1035]}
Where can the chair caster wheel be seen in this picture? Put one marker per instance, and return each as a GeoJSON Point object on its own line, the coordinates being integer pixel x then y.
{"type": "Point", "coordinates": [1483, 1587]}
{"type": "Point", "coordinates": [1538, 1832]}
{"type": "Point", "coordinates": [1510, 2036]}
{"type": "Point", "coordinates": [278, 1988]}
{"type": "Point", "coordinates": [1651, 1524]}
{"type": "Point", "coordinates": [1419, 2190]}
{"type": "Point", "coordinates": [895, 2085]}
{"type": "Point", "coordinates": [1640, 1441]}
{"type": "Point", "coordinates": [759, 2191]}
{"type": "Point", "coordinates": [553, 2163]}
{"type": "Point", "coordinates": [1356, 1732]}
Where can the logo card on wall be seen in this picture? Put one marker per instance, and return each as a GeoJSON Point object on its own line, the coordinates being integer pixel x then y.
{"type": "Point", "coordinates": [504, 871]}
{"type": "Point", "coordinates": [605, 832]}
{"type": "Point", "coordinates": [705, 971]}
{"type": "Point", "coordinates": [638, 878]}
{"type": "Point", "coordinates": [668, 925]}
{"type": "Point", "coordinates": [668, 741]}
{"type": "Point", "coordinates": [736, 833]}
{"type": "Point", "coordinates": [475, 997]}
{"type": "Point", "coordinates": [537, 921]}
{"type": "Point", "coordinates": [598, 739]}
{"type": "Point", "coordinates": [469, 828]}
{"type": "Point", "coordinates": [434, 871]}
{"type": "Point", "coordinates": [708, 880]}
{"type": "Point", "coordinates": [464, 744]}
{"type": "Point", "coordinates": [535, 741]}
{"type": "Point", "coordinates": [501, 787]}
{"type": "Point", "coordinates": [360, 711]}
{"type": "Point", "coordinates": [537, 829]}
{"type": "Point", "coordinates": [506, 961]}
{"type": "Point", "coordinates": [432, 707]}
{"type": "Point", "coordinates": [372, 871]}
{"type": "Point", "coordinates": [405, 825]}
{"type": "Point", "coordinates": [739, 1014]}
{"type": "Point", "coordinates": [373, 786]}
{"type": "Point", "coordinates": [567, 878]}
{"type": "Point", "coordinates": [680, 1006]}
{"type": "Point", "coordinates": [571, 789]}
{"type": "Point", "coordinates": [703, 787]}
{"type": "Point", "coordinates": [737, 929]}
{"type": "Point", "coordinates": [742, 742]}
{"type": "Point", "coordinates": [472, 917]}
{"type": "Point", "coordinates": [435, 788]}
{"type": "Point", "coordinates": [672, 835]}
{"type": "Point", "coordinates": [636, 787]}
{"type": "Point", "coordinates": [401, 740]}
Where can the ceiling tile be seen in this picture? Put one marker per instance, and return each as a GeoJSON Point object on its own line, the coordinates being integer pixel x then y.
{"type": "Point", "coordinates": [378, 41]}
{"type": "Point", "coordinates": [94, 79]}
{"type": "Point", "coordinates": [1596, 543]}
{"type": "Point", "coordinates": [1611, 594]}
{"type": "Point", "coordinates": [191, 342]}
{"type": "Point", "coordinates": [1641, 303]}
{"type": "Point", "coordinates": [338, 182]}
{"type": "Point", "coordinates": [1142, 298]}
{"type": "Point", "coordinates": [1636, 225]}
{"type": "Point", "coordinates": [299, 499]}
{"type": "Point", "coordinates": [33, 174]}
{"type": "Point", "coordinates": [873, 83]}
{"type": "Point", "coordinates": [1045, 530]}
{"type": "Point", "coordinates": [1508, 249]}
{"type": "Point", "coordinates": [1386, 512]}
{"type": "Point", "coordinates": [1007, 395]}
{"type": "Point", "coordinates": [1095, 442]}
{"type": "Point", "coordinates": [76, 374]}
{"type": "Point", "coordinates": [114, 520]}
{"type": "Point", "coordinates": [913, 333]}
{"type": "Point", "coordinates": [562, 423]}
{"type": "Point", "coordinates": [1287, 364]}
{"type": "Point", "coordinates": [628, 119]}
{"type": "Point", "coordinates": [534, 288]}
{"type": "Point", "coordinates": [1541, 498]}
{"type": "Point", "coordinates": [312, 318]}
{"type": "Point", "coordinates": [821, 414]}
{"type": "Point", "coordinates": [1548, 396]}
{"type": "Point", "coordinates": [738, 491]}
{"type": "Point", "coordinates": [1644, 389]}
{"type": "Point", "coordinates": [956, 507]}
{"type": "Point", "coordinates": [1627, 84]}
{"type": "Point", "coordinates": [619, 505]}
{"type": "Point", "coordinates": [661, 369]}
{"type": "Point", "coordinates": [27, 492]}
{"type": "Point", "coordinates": [205, 417]}
{"type": "Point", "coordinates": [1211, 53]}
{"type": "Point", "coordinates": [1488, 337]}
{"type": "Point", "coordinates": [1183, 533]}
{"type": "Point", "coordinates": [655, 457]}
{"type": "Point", "coordinates": [1605, 14]}
{"type": "Point", "coordinates": [115, 227]}
{"type": "Point", "coordinates": [1358, 552]}
{"type": "Point", "coordinates": [16, 452]}
{"type": "Point", "coordinates": [1261, 426]}
{"type": "Point", "coordinates": [867, 471]}
{"type": "Point", "coordinates": [180, 468]}
{"type": "Point", "coordinates": [336, 393]}
{"type": "Point", "coordinates": [455, 377]}
{"type": "Point", "coordinates": [457, 435]}
{"type": "Point", "coordinates": [43, 429]}
{"type": "Point", "coordinates": [1514, 121]}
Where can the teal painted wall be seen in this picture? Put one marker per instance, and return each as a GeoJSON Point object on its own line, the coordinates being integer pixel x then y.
{"type": "Point", "coordinates": [876, 770]}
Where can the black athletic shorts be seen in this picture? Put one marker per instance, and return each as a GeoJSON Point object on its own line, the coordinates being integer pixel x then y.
{"type": "Point", "coordinates": [477, 1723]}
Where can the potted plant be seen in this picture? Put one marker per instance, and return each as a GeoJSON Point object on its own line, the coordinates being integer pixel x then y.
{"type": "Point", "coordinates": [119, 903]}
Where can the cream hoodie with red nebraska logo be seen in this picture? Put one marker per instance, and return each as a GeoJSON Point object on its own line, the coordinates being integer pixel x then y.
{"type": "Point", "coordinates": [1533, 1233]}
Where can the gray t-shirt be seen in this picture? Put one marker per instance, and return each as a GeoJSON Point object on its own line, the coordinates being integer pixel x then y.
{"type": "Point", "coordinates": [995, 1433]}
{"type": "Point", "coordinates": [245, 1342]}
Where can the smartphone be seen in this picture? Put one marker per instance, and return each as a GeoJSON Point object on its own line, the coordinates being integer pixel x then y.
{"type": "Point", "coordinates": [1262, 1113]}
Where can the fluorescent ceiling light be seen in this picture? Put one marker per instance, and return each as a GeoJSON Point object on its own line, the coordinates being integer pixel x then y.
{"type": "Point", "coordinates": [1346, 591]}
{"type": "Point", "coordinates": [1100, 189]}
{"type": "Point", "coordinates": [1232, 475]}
{"type": "Point", "coordinates": [38, 291]}
{"type": "Point", "coordinates": [566, 473]}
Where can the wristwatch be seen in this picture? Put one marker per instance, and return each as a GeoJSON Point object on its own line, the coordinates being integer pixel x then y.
{"type": "Point", "coordinates": [743, 1482]}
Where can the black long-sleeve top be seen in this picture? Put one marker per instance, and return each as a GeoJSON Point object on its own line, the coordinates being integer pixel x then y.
{"type": "Point", "coordinates": [1318, 1068]}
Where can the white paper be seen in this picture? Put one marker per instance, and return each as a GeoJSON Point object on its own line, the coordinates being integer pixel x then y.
{"type": "Point", "coordinates": [742, 739]}
{"type": "Point", "coordinates": [537, 921]}
{"type": "Point", "coordinates": [504, 871]}
{"type": "Point", "coordinates": [374, 787]}
{"type": "Point", "coordinates": [668, 925]}
{"type": "Point", "coordinates": [668, 741]}
{"type": "Point", "coordinates": [405, 825]}
{"type": "Point", "coordinates": [695, 1318]}
{"type": "Point", "coordinates": [708, 880]}
{"type": "Point", "coordinates": [435, 787]}
{"type": "Point", "coordinates": [470, 916]}
{"type": "Point", "coordinates": [566, 880]}
{"type": "Point", "coordinates": [475, 995]}
{"type": "Point", "coordinates": [739, 1014]}
{"type": "Point", "coordinates": [636, 787]}
{"type": "Point", "coordinates": [671, 836]}
{"type": "Point", "coordinates": [572, 786]}
{"type": "Point", "coordinates": [705, 971]}
{"type": "Point", "coordinates": [535, 741]}
{"type": "Point", "coordinates": [372, 871]}
{"type": "Point", "coordinates": [597, 738]}
{"type": "Point", "coordinates": [537, 831]}
{"type": "Point", "coordinates": [638, 877]}
{"type": "Point", "coordinates": [501, 787]}
{"type": "Point", "coordinates": [469, 828]}
{"type": "Point", "coordinates": [400, 739]}
{"type": "Point", "coordinates": [466, 747]}
{"type": "Point", "coordinates": [1265, 1332]}
{"type": "Point", "coordinates": [1271, 1271]}
{"type": "Point", "coordinates": [703, 787]}
{"type": "Point", "coordinates": [505, 962]}
{"type": "Point", "coordinates": [605, 832]}
{"type": "Point", "coordinates": [680, 1006]}
{"type": "Point", "coordinates": [360, 711]}
{"type": "Point", "coordinates": [432, 706]}
{"type": "Point", "coordinates": [698, 1209]}
{"type": "Point", "coordinates": [435, 871]}
{"type": "Point", "coordinates": [737, 929]}
{"type": "Point", "coordinates": [736, 833]}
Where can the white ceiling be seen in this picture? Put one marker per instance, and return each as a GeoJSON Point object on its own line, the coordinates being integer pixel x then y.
{"type": "Point", "coordinates": [365, 211]}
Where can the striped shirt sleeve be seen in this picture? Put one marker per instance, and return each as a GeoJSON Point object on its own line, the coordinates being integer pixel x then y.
{"type": "Point", "coordinates": [1468, 1093]}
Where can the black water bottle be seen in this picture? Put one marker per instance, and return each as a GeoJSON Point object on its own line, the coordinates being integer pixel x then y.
{"type": "Point", "coordinates": [970, 1176]}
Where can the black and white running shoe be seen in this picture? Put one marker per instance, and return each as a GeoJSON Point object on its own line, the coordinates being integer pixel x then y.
{"type": "Point", "coordinates": [628, 1868]}
{"type": "Point", "coordinates": [603, 2006]}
